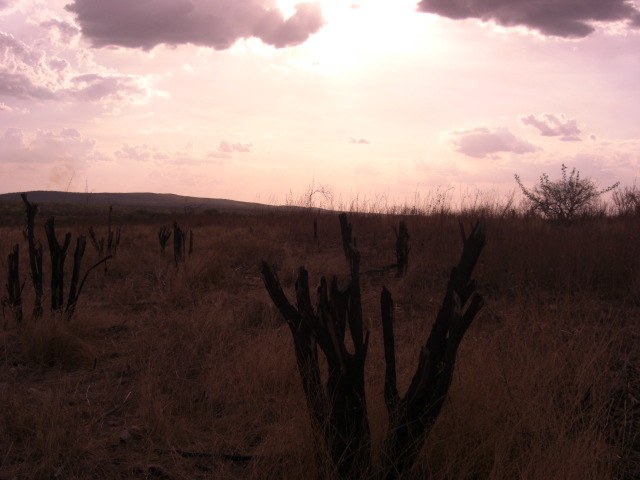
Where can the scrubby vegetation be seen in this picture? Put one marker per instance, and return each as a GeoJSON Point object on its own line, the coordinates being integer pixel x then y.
{"type": "Point", "coordinates": [187, 371]}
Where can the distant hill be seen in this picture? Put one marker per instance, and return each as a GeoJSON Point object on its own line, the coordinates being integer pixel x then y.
{"type": "Point", "coordinates": [137, 200]}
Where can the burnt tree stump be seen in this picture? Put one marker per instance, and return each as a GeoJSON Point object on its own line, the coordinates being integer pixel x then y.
{"type": "Point", "coordinates": [58, 255]}
{"type": "Point", "coordinates": [338, 409]}
{"type": "Point", "coordinates": [402, 248]}
{"type": "Point", "coordinates": [35, 256]}
{"type": "Point", "coordinates": [412, 416]}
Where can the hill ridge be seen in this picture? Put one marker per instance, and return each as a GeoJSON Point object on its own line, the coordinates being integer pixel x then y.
{"type": "Point", "coordinates": [134, 199]}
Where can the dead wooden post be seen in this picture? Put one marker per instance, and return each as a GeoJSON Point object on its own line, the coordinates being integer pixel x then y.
{"type": "Point", "coordinates": [402, 248]}
{"type": "Point", "coordinates": [412, 416]}
{"type": "Point", "coordinates": [14, 289]}
{"type": "Point", "coordinates": [315, 229]}
{"type": "Point", "coordinates": [163, 237]}
{"type": "Point", "coordinates": [58, 256]}
{"type": "Point", "coordinates": [35, 256]}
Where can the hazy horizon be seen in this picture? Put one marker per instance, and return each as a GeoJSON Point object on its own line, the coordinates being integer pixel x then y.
{"type": "Point", "coordinates": [256, 100]}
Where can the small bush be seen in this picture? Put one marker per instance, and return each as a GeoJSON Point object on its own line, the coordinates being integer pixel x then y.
{"type": "Point", "coordinates": [562, 200]}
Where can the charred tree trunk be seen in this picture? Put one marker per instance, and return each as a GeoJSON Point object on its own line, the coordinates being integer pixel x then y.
{"type": "Point", "coordinates": [402, 248]}
{"type": "Point", "coordinates": [35, 256]}
{"type": "Point", "coordinates": [412, 416]}
{"type": "Point", "coordinates": [58, 256]}
{"type": "Point", "coordinates": [14, 289]}
{"type": "Point", "coordinates": [337, 410]}
{"type": "Point", "coordinates": [81, 244]}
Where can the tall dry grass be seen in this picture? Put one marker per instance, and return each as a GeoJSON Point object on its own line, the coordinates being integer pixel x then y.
{"type": "Point", "coordinates": [189, 372]}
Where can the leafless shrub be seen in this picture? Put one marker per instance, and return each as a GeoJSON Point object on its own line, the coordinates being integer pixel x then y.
{"type": "Point", "coordinates": [564, 199]}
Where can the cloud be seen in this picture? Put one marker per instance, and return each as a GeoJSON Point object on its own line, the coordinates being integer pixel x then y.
{"type": "Point", "coordinates": [44, 146]}
{"type": "Point", "coordinates": [190, 155]}
{"type": "Point", "coordinates": [33, 74]}
{"type": "Point", "coordinates": [482, 142]}
{"type": "Point", "coordinates": [552, 125]}
{"type": "Point", "coordinates": [65, 30]}
{"type": "Point", "coordinates": [560, 18]}
{"type": "Point", "coordinates": [362, 141]}
{"type": "Point", "coordinates": [227, 147]}
{"type": "Point", "coordinates": [95, 87]}
{"type": "Point", "coordinates": [139, 153]}
{"type": "Point", "coordinates": [145, 24]}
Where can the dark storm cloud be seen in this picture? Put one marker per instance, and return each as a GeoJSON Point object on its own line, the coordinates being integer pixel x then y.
{"type": "Point", "coordinates": [552, 125]}
{"type": "Point", "coordinates": [147, 23]}
{"type": "Point", "coordinates": [482, 142]}
{"type": "Point", "coordinates": [560, 18]}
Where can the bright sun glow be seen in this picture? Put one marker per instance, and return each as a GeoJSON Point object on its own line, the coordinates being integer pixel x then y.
{"type": "Point", "coordinates": [356, 32]}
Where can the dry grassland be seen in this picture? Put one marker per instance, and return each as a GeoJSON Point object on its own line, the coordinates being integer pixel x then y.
{"type": "Point", "coordinates": [188, 372]}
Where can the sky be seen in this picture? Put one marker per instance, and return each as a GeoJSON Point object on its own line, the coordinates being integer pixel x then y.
{"type": "Point", "coordinates": [261, 100]}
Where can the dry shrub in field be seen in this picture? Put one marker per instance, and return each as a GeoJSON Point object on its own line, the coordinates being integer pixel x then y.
{"type": "Point", "coordinates": [564, 199]}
